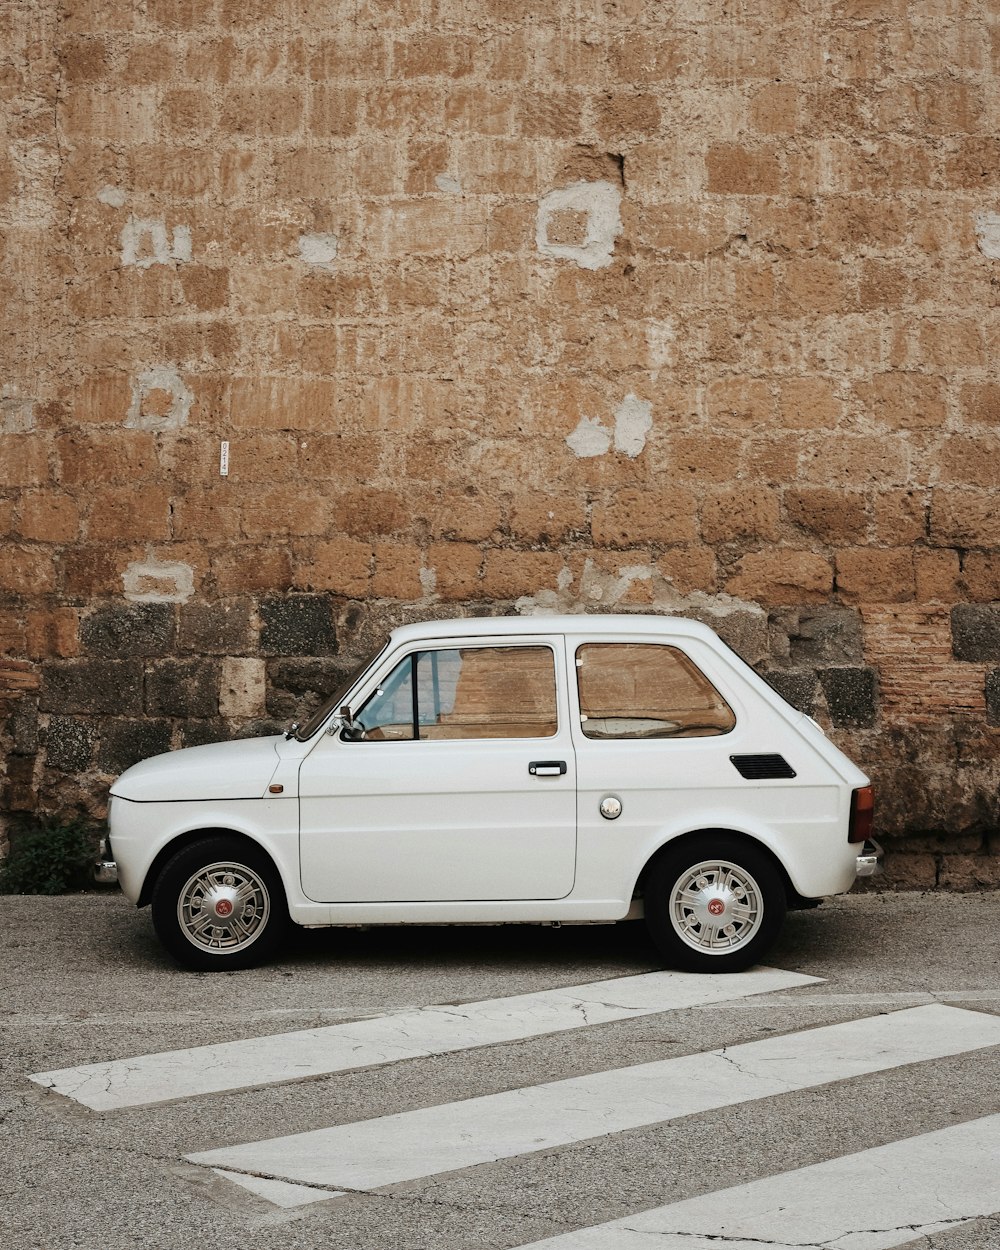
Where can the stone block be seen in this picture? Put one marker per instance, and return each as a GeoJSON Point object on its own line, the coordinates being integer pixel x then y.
{"type": "Point", "coordinates": [826, 636]}
{"type": "Point", "coordinates": [219, 628]}
{"type": "Point", "coordinates": [782, 576]}
{"type": "Point", "coordinates": [992, 692]}
{"type": "Point", "coordinates": [95, 687]}
{"type": "Point", "coordinates": [49, 517]}
{"type": "Point", "coordinates": [809, 403]}
{"type": "Point", "coordinates": [975, 632]}
{"type": "Point", "coordinates": [26, 570]}
{"type": "Point", "coordinates": [22, 726]}
{"type": "Point", "coordinates": [876, 575]}
{"type": "Point", "coordinates": [398, 569]}
{"type": "Point", "coordinates": [733, 170]}
{"type": "Point", "coordinates": [834, 516]}
{"type": "Point", "coordinates": [297, 624]}
{"type": "Point", "coordinates": [969, 872]}
{"type": "Point", "coordinates": [342, 566]}
{"type": "Point", "coordinates": [183, 688]}
{"type": "Point", "coordinates": [797, 688]}
{"type": "Point", "coordinates": [241, 694]}
{"type": "Point", "coordinates": [851, 696]}
{"type": "Point", "coordinates": [297, 686]}
{"type": "Point", "coordinates": [120, 630]}
{"type": "Point", "coordinates": [239, 569]}
{"type": "Point", "coordinates": [633, 517]}
{"type": "Point", "coordinates": [745, 513]}
{"type": "Point", "coordinates": [454, 570]}
{"type": "Point", "coordinates": [509, 574]}
{"type": "Point", "coordinates": [197, 733]}
{"type": "Point", "coordinates": [70, 743]}
{"type": "Point", "coordinates": [125, 742]}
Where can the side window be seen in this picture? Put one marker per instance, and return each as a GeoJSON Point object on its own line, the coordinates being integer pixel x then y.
{"type": "Point", "coordinates": [465, 692]}
{"type": "Point", "coordinates": [387, 716]}
{"type": "Point", "coordinates": [646, 690]}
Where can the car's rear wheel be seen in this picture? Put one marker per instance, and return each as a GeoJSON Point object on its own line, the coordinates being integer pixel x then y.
{"type": "Point", "coordinates": [219, 905]}
{"type": "Point", "coordinates": [714, 905]}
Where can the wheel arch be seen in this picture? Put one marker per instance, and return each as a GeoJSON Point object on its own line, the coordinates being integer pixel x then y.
{"type": "Point", "coordinates": [190, 836]}
{"type": "Point", "coordinates": [792, 896]}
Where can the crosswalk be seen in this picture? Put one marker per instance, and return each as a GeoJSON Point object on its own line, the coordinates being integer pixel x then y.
{"type": "Point", "coordinates": [886, 1196]}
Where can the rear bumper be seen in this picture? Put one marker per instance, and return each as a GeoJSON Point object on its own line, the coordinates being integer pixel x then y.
{"type": "Point", "coordinates": [870, 859]}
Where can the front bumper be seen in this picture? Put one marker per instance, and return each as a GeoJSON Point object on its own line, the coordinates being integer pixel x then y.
{"type": "Point", "coordinates": [870, 859]}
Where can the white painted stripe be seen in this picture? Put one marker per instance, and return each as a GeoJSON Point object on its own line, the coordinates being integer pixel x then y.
{"type": "Point", "coordinates": [888, 1196]}
{"type": "Point", "coordinates": [279, 1193]}
{"type": "Point", "coordinates": [406, 1035]}
{"type": "Point", "coordinates": [372, 1153]}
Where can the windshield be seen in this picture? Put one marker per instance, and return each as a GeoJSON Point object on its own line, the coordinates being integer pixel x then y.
{"type": "Point", "coordinates": [306, 731]}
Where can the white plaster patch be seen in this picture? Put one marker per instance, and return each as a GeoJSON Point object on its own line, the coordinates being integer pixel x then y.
{"type": "Point", "coordinates": [590, 438]}
{"type": "Point", "coordinates": [599, 203]}
{"type": "Point", "coordinates": [17, 413]}
{"type": "Point", "coordinates": [145, 242]}
{"type": "Point", "coordinates": [445, 182]}
{"type": "Point", "coordinates": [606, 589]}
{"type": "Point", "coordinates": [988, 234]}
{"type": "Point", "coordinates": [319, 250]}
{"type": "Point", "coordinates": [633, 421]}
{"type": "Point", "coordinates": [144, 415]}
{"type": "Point", "coordinates": [428, 582]}
{"type": "Point", "coordinates": [158, 581]}
{"type": "Point", "coordinates": [114, 197]}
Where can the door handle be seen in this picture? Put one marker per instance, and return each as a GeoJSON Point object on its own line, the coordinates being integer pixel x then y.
{"type": "Point", "coordinates": [547, 768]}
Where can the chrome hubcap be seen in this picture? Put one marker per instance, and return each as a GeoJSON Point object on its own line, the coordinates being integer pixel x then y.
{"type": "Point", "coordinates": [716, 906]}
{"type": "Point", "coordinates": [223, 907]}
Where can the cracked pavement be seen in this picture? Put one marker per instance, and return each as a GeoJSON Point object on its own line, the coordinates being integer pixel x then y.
{"type": "Point", "coordinates": [82, 981]}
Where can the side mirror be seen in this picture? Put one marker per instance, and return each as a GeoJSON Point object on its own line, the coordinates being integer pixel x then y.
{"type": "Point", "coordinates": [348, 725]}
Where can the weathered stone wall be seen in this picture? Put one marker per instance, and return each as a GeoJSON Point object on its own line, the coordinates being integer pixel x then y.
{"type": "Point", "coordinates": [688, 306]}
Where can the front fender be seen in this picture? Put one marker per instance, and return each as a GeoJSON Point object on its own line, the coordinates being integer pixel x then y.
{"type": "Point", "coordinates": [143, 835]}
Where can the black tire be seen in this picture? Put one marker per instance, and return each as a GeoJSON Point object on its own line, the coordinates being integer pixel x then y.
{"type": "Point", "coordinates": [714, 904]}
{"type": "Point", "coordinates": [239, 880]}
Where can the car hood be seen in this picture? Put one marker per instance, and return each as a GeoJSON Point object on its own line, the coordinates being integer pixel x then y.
{"type": "Point", "coordinates": [221, 770]}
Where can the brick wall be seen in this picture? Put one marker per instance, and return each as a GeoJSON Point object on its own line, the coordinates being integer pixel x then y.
{"type": "Point", "coordinates": [685, 306]}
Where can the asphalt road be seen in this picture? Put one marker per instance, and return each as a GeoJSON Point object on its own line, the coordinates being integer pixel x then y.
{"type": "Point", "coordinates": [83, 981]}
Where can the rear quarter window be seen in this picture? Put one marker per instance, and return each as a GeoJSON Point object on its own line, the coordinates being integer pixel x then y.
{"type": "Point", "coordinates": [646, 690]}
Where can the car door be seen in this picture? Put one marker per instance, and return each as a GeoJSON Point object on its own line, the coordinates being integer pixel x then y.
{"type": "Point", "coordinates": [463, 786]}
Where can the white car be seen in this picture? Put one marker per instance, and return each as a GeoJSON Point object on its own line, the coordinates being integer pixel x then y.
{"type": "Point", "coordinates": [565, 770]}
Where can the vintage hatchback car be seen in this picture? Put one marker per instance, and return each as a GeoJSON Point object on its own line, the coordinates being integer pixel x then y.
{"type": "Point", "coordinates": [571, 769]}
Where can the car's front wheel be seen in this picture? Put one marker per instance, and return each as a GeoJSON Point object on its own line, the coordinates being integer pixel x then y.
{"type": "Point", "coordinates": [713, 905]}
{"type": "Point", "coordinates": [219, 905]}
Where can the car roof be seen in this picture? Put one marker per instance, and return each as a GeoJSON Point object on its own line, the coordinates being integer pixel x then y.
{"type": "Point", "coordinates": [624, 625]}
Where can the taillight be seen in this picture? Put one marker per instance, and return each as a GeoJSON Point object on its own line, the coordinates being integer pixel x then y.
{"type": "Point", "coordinates": [862, 814]}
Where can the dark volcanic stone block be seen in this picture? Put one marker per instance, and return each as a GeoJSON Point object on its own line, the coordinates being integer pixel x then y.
{"type": "Point", "coordinates": [993, 697]}
{"type": "Point", "coordinates": [69, 744]}
{"type": "Point", "coordinates": [798, 689]}
{"type": "Point", "coordinates": [221, 628]}
{"type": "Point", "coordinates": [126, 742]}
{"type": "Point", "coordinates": [183, 688]}
{"type": "Point", "coordinates": [111, 687]}
{"type": "Point", "coordinates": [297, 625]}
{"type": "Point", "coordinates": [851, 696]}
{"type": "Point", "coordinates": [126, 629]}
{"type": "Point", "coordinates": [975, 632]}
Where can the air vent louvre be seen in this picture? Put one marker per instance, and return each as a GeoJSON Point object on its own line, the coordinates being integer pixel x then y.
{"type": "Point", "coordinates": [762, 767]}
